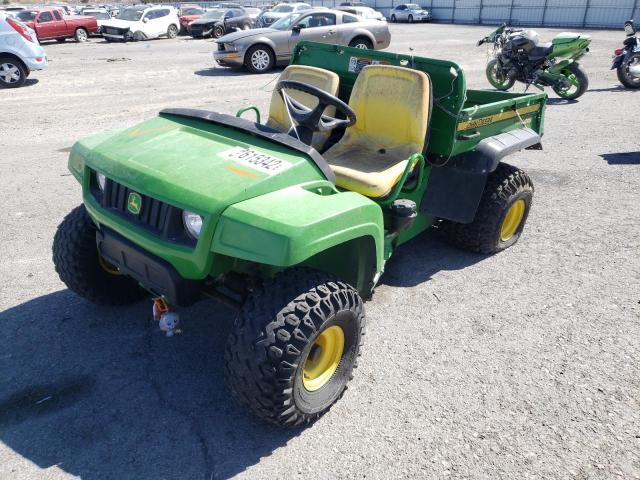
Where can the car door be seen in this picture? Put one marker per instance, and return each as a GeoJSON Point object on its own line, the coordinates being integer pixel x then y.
{"type": "Point", "coordinates": [164, 20]}
{"type": "Point", "coordinates": [401, 12]}
{"type": "Point", "coordinates": [315, 27]}
{"type": "Point", "coordinates": [231, 20]}
{"type": "Point", "coordinates": [60, 26]}
{"type": "Point", "coordinates": [46, 25]}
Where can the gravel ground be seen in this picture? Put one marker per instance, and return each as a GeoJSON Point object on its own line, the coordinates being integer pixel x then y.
{"type": "Point", "coordinates": [519, 365]}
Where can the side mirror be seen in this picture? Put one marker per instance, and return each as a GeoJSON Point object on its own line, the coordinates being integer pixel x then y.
{"type": "Point", "coordinates": [145, 20]}
{"type": "Point", "coordinates": [296, 28]}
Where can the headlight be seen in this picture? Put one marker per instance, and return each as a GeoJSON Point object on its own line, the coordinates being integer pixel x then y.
{"type": "Point", "coordinates": [193, 223]}
{"type": "Point", "coordinates": [102, 181]}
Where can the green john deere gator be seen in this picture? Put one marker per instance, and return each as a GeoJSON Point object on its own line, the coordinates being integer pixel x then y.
{"type": "Point", "coordinates": [292, 220]}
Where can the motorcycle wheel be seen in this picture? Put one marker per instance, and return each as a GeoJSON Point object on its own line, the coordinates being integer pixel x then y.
{"type": "Point", "coordinates": [496, 78]}
{"type": "Point", "coordinates": [577, 80]}
{"type": "Point", "coordinates": [625, 76]}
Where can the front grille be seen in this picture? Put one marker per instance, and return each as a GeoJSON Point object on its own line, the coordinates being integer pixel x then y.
{"type": "Point", "coordinates": [157, 217]}
{"type": "Point", "coordinates": [153, 215]}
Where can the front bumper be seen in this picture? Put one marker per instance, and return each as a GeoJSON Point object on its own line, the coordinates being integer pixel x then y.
{"type": "Point", "coordinates": [229, 58]}
{"type": "Point", "coordinates": [115, 33]}
{"type": "Point", "coordinates": [155, 274]}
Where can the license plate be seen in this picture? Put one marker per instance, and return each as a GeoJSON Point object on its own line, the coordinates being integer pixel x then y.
{"type": "Point", "coordinates": [257, 160]}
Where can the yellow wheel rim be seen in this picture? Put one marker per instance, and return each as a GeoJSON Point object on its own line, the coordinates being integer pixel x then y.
{"type": "Point", "coordinates": [323, 359]}
{"type": "Point", "coordinates": [512, 220]}
{"type": "Point", "coordinates": [107, 267]}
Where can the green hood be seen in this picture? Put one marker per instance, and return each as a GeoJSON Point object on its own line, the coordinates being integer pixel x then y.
{"type": "Point", "coordinates": [196, 164]}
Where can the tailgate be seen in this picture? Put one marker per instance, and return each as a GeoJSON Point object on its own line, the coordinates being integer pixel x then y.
{"type": "Point", "coordinates": [487, 113]}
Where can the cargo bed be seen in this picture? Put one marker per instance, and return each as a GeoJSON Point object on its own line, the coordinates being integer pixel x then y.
{"type": "Point", "coordinates": [460, 118]}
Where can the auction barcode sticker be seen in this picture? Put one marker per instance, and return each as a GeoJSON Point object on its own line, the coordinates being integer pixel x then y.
{"type": "Point", "coordinates": [258, 161]}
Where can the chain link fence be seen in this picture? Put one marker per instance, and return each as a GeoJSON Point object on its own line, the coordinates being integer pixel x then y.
{"type": "Point", "coordinates": [547, 13]}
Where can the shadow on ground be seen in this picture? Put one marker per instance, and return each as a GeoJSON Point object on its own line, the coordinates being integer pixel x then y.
{"type": "Point", "coordinates": [560, 101]}
{"type": "Point", "coordinates": [29, 82]}
{"type": "Point", "coordinates": [102, 393]}
{"type": "Point", "coordinates": [232, 72]}
{"type": "Point", "coordinates": [419, 259]}
{"type": "Point", "coordinates": [625, 158]}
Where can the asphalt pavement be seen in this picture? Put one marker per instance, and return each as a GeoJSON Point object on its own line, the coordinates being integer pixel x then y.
{"type": "Point", "coordinates": [519, 365]}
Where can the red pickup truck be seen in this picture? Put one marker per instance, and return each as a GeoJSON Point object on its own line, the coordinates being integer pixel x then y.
{"type": "Point", "coordinates": [51, 23]}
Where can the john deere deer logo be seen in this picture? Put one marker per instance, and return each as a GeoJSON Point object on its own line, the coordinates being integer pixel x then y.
{"type": "Point", "coordinates": [134, 203]}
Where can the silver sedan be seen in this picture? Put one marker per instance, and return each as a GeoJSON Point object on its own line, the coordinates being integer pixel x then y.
{"type": "Point", "coordinates": [261, 49]}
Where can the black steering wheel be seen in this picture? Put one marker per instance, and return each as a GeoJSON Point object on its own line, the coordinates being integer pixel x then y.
{"type": "Point", "coordinates": [310, 120]}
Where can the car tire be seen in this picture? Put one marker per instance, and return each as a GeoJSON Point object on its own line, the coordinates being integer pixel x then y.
{"type": "Point", "coordinates": [13, 72]}
{"type": "Point", "coordinates": [501, 215]}
{"type": "Point", "coordinates": [410, 18]}
{"type": "Point", "coordinates": [362, 43]}
{"type": "Point", "coordinates": [82, 269]}
{"type": "Point", "coordinates": [218, 31]}
{"type": "Point", "coordinates": [294, 346]}
{"type": "Point", "coordinates": [393, 19]}
{"type": "Point", "coordinates": [259, 59]}
{"type": "Point", "coordinates": [81, 35]}
{"type": "Point", "coordinates": [172, 31]}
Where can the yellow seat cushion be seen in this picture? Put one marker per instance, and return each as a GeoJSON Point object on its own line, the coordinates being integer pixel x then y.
{"type": "Point", "coordinates": [318, 77]}
{"type": "Point", "coordinates": [392, 106]}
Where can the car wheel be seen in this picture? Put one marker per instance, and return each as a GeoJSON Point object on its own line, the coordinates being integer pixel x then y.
{"type": "Point", "coordinates": [259, 59]}
{"type": "Point", "coordinates": [172, 31]}
{"type": "Point", "coordinates": [81, 35]}
{"type": "Point", "coordinates": [138, 36]}
{"type": "Point", "coordinates": [13, 74]}
{"type": "Point", "coordinates": [410, 18]}
{"type": "Point", "coordinates": [393, 19]}
{"type": "Point", "coordinates": [361, 43]}
{"type": "Point", "coordinates": [218, 31]}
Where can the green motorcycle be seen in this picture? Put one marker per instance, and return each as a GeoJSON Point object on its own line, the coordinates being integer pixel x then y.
{"type": "Point", "coordinates": [519, 56]}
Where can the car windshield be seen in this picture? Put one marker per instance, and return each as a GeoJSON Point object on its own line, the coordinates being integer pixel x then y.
{"type": "Point", "coordinates": [130, 14]}
{"type": "Point", "coordinates": [285, 22]}
{"type": "Point", "coordinates": [213, 15]}
{"type": "Point", "coordinates": [25, 16]}
{"type": "Point", "coordinates": [191, 11]}
{"type": "Point", "coordinates": [283, 9]}
{"type": "Point", "coordinates": [414, 6]}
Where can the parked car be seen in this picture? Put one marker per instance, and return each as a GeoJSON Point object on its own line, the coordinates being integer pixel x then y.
{"type": "Point", "coordinates": [142, 22]}
{"type": "Point", "coordinates": [280, 11]}
{"type": "Point", "coordinates": [20, 52]}
{"type": "Point", "coordinates": [100, 15]}
{"type": "Point", "coordinates": [410, 12]}
{"type": "Point", "coordinates": [188, 14]}
{"type": "Point", "coordinates": [260, 49]}
{"type": "Point", "coordinates": [353, 4]}
{"type": "Point", "coordinates": [364, 12]}
{"type": "Point", "coordinates": [216, 23]}
{"type": "Point", "coordinates": [52, 24]}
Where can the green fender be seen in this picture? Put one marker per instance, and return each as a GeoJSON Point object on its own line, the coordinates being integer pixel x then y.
{"type": "Point", "coordinates": [311, 224]}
